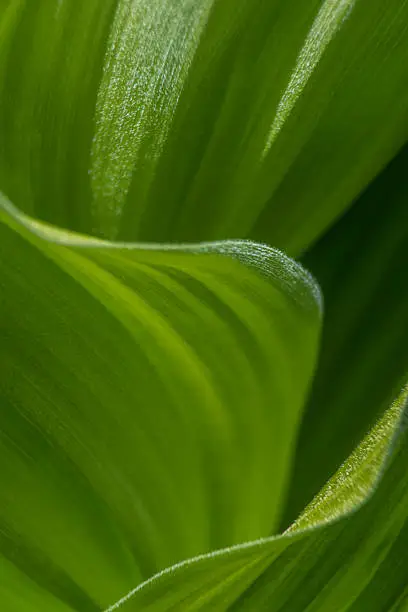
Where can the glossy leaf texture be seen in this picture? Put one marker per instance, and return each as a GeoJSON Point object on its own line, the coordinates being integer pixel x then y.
{"type": "Point", "coordinates": [361, 265]}
{"type": "Point", "coordinates": [199, 120]}
{"type": "Point", "coordinates": [150, 401]}
{"type": "Point", "coordinates": [347, 552]}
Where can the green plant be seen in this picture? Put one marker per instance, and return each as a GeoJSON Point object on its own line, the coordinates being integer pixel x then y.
{"type": "Point", "coordinates": [164, 411]}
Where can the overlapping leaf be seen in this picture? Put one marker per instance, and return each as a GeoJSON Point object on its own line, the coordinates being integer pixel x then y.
{"type": "Point", "coordinates": [150, 397]}
{"type": "Point", "coordinates": [355, 563]}
{"type": "Point", "coordinates": [150, 400]}
{"type": "Point", "coordinates": [199, 120]}
{"type": "Point", "coordinates": [361, 265]}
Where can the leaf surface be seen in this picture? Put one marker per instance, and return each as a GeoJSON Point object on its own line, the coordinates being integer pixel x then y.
{"type": "Point", "coordinates": [347, 552]}
{"type": "Point", "coordinates": [150, 401]}
{"type": "Point", "coordinates": [199, 120]}
{"type": "Point", "coordinates": [361, 265]}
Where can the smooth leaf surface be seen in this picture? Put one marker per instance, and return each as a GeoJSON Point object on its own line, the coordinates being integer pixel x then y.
{"type": "Point", "coordinates": [150, 400]}
{"type": "Point", "coordinates": [361, 265]}
{"type": "Point", "coordinates": [347, 552]}
{"type": "Point", "coordinates": [51, 61]}
{"type": "Point", "coordinates": [199, 120]}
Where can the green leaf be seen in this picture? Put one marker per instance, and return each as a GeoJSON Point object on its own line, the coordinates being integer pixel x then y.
{"type": "Point", "coordinates": [151, 395]}
{"type": "Point", "coordinates": [51, 61]}
{"type": "Point", "coordinates": [347, 552]}
{"type": "Point", "coordinates": [349, 120]}
{"type": "Point", "coordinates": [150, 400]}
{"type": "Point", "coordinates": [361, 265]}
{"type": "Point", "coordinates": [199, 120]}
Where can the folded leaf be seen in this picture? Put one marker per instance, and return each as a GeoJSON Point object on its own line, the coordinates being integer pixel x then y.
{"type": "Point", "coordinates": [150, 399]}
{"type": "Point", "coordinates": [361, 265]}
{"type": "Point", "coordinates": [199, 120]}
{"type": "Point", "coordinates": [355, 562]}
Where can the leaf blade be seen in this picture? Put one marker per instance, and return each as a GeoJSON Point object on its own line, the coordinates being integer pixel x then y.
{"type": "Point", "coordinates": [315, 566]}
{"type": "Point", "coordinates": [363, 362]}
{"type": "Point", "coordinates": [168, 144]}
{"type": "Point", "coordinates": [117, 396]}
